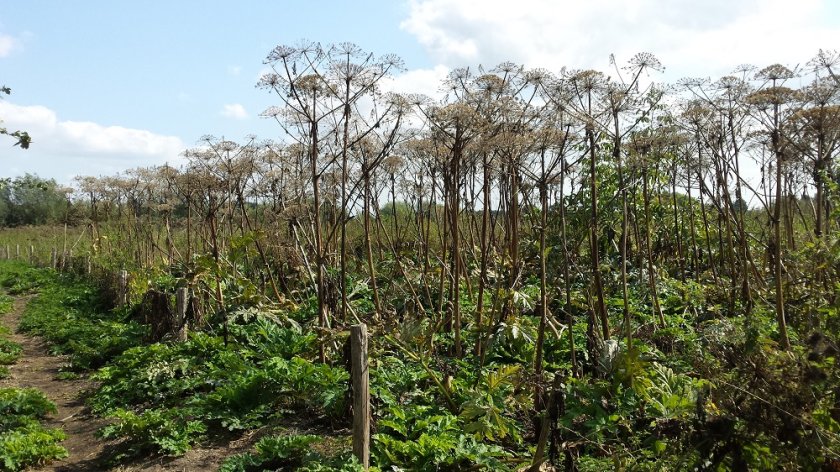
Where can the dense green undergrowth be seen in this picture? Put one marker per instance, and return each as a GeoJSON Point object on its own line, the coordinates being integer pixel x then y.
{"type": "Point", "coordinates": [165, 397]}
{"type": "Point", "coordinates": [9, 351]}
{"type": "Point", "coordinates": [705, 391]}
{"type": "Point", "coordinates": [24, 441]}
{"type": "Point", "coordinates": [289, 452]}
{"type": "Point", "coordinates": [168, 396]}
{"type": "Point", "coordinates": [72, 316]}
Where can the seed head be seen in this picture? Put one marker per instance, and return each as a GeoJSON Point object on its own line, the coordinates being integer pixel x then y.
{"type": "Point", "coordinates": [281, 53]}
{"type": "Point", "coordinates": [774, 73]}
{"type": "Point", "coordinates": [646, 60]}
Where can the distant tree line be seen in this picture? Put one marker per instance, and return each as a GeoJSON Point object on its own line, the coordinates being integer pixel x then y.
{"type": "Point", "coordinates": [32, 200]}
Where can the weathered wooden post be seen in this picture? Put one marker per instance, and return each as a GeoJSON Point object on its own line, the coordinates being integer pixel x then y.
{"type": "Point", "coordinates": [122, 288]}
{"type": "Point", "coordinates": [8, 252]}
{"type": "Point", "coordinates": [54, 258]}
{"type": "Point", "coordinates": [17, 252]}
{"type": "Point", "coordinates": [87, 265]}
{"type": "Point", "coordinates": [31, 255]}
{"type": "Point", "coordinates": [361, 393]}
{"type": "Point", "coordinates": [182, 300]}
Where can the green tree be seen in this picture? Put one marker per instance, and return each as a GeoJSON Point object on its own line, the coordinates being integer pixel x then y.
{"type": "Point", "coordinates": [31, 200]}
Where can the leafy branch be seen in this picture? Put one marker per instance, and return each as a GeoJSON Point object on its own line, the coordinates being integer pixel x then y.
{"type": "Point", "coordinates": [23, 138]}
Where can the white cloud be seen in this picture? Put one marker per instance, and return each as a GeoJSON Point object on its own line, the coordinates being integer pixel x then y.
{"type": "Point", "coordinates": [28, 117]}
{"type": "Point", "coordinates": [711, 37]}
{"type": "Point", "coordinates": [7, 44]}
{"type": "Point", "coordinates": [235, 111]}
{"type": "Point", "coordinates": [63, 149]}
{"type": "Point", "coordinates": [100, 139]}
{"type": "Point", "coordinates": [424, 81]}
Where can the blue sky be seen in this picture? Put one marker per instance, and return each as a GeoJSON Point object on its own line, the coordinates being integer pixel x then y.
{"type": "Point", "coordinates": [168, 67]}
{"type": "Point", "coordinates": [104, 86]}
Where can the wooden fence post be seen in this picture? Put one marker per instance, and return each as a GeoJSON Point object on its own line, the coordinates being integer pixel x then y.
{"type": "Point", "coordinates": [361, 393]}
{"type": "Point", "coordinates": [122, 288]}
{"type": "Point", "coordinates": [31, 255]}
{"type": "Point", "coordinates": [182, 300]}
{"type": "Point", "coordinates": [87, 265]}
{"type": "Point", "coordinates": [54, 258]}
{"type": "Point", "coordinates": [17, 251]}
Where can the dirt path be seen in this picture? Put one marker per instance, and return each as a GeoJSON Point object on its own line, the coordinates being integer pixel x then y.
{"type": "Point", "coordinates": [37, 368]}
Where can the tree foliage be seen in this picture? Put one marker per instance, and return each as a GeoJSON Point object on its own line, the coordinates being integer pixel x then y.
{"type": "Point", "coordinates": [32, 200]}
